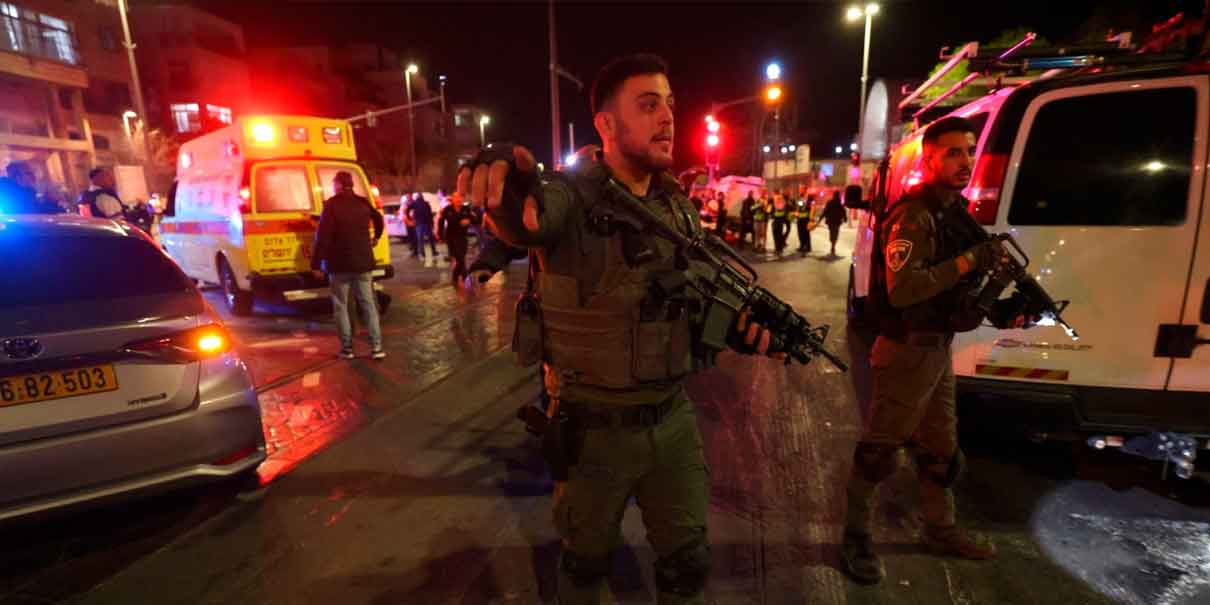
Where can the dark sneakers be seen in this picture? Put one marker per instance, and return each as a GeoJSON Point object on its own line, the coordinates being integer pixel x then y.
{"type": "Point", "coordinates": [957, 542]}
{"type": "Point", "coordinates": [859, 559]}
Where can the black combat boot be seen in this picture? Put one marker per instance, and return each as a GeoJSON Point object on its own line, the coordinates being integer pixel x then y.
{"type": "Point", "coordinates": [859, 559]}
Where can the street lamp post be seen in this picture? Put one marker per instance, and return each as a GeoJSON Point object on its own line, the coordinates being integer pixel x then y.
{"type": "Point", "coordinates": [137, 88]}
{"type": "Point", "coordinates": [855, 13]}
{"type": "Point", "coordinates": [483, 122]}
{"type": "Point", "coordinates": [407, 76]}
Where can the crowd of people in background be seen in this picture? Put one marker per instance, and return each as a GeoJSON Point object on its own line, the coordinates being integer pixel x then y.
{"type": "Point", "coordinates": [762, 212]}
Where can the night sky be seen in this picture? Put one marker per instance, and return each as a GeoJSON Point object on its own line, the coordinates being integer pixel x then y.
{"type": "Point", "coordinates": [495, 55]}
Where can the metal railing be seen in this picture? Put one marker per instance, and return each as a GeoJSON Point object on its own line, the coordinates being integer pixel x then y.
{"type": "Point", "coordinates": [28, 37]}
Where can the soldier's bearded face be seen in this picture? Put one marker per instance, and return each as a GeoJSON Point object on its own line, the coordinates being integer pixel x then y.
{"type": "Point", "coordinates": [643, 112]}
{"type": "Point", "coordinates": [951, 159]}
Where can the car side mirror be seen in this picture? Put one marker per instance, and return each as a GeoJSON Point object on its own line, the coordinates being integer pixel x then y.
{"type": "Point", "coordinates": [852, 198]}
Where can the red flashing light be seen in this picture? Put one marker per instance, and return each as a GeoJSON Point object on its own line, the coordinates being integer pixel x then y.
{"type": "Point", "coordinates": [245, 193]}
{"type": "Point", "coordinates": [231, 149]}
{"type": "Point", "coordinates": [712, 140]}
{"type": "Point", "coordinates": [376, 196]}
{"type": "Point", "coordinates": [712, 126]}
{"type": "Point", "coordinates": [984, 189]}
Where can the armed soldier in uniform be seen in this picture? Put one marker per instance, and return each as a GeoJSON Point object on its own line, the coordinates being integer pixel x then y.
{"type": "Point", "coordinates": [615, 334]}
{"type": "Point", "coordinates": [922, 290]}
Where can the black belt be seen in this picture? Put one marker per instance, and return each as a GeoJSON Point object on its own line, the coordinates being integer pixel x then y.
{"type": "Point", "coordinates": [627, 416]}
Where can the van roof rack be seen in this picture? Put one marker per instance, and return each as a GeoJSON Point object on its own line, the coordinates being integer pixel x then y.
{"type": "Point", "coordinates": [1014, 61]}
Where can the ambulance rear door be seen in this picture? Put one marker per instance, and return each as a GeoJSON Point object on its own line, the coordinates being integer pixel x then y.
{"type": "Point", "coordinates": [279, 231]}
{"type": "Point", "coordinates": [325, 171]}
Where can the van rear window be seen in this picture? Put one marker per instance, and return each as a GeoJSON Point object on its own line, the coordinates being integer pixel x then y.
{"type": "Point", "coordinates": [326, 172]}
{"type": "Point", "coordinates": [1122, 158]}
{"type": "Point", "coordinates": [282, 189]}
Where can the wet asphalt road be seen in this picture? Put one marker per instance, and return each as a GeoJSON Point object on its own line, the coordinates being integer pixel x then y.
{"type": "Point", "coordinates": [407, 481]}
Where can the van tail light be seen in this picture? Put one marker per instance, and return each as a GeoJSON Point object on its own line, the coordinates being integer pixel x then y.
{"type": "Point", "coordinates": [196, 344]}
{"type": "Point", "coordinates": [986, 183]}
{"type": "Point", "coordinates": [376, 196]}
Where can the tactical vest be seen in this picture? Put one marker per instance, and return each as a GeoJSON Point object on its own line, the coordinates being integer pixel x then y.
{"type": "Point", "coordinates": [760, 213]}
{"type": "Point", "coordinates": [945, 312]}
{"type": "Point", "coordinates": [779, 215]}
{"type": "Point", "coordinates": [605, 324]}
{"type": "Point", "coordinates": [90, 199]}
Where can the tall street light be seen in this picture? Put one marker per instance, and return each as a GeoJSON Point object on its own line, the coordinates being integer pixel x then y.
{"type": "Point", "coordinates": [483, 122]}
{"type": "Point", "coordinates": [407, 77]}
{"type": "Point", "coordinates": [855, 14]}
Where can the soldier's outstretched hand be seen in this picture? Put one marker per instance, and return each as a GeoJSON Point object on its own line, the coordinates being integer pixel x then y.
{"type": "Point", "coordinates": [502, 174]}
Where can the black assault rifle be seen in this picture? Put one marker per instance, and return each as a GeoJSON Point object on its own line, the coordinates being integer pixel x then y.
{"type": "Point", "coordinates": [728, 285]}
{"type": "Point", "coordinates": [1013, 271]}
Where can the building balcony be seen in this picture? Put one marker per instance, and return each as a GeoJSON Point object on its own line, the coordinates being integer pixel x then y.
{"type": "Point", "coordinates": [43, 49]}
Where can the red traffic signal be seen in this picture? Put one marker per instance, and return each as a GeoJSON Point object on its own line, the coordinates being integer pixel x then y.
{"type": "Point", "coordinates": [712, 140]}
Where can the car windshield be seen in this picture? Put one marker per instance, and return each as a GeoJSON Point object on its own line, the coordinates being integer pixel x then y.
{"type": "Point", "coordinates": [54, 269]}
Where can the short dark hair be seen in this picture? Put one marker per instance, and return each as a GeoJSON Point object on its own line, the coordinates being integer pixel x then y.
{"type": "Point", "coordinates": [616, 72]}
{"type": "Point", "coordinates": [344, 179]}
{"type": "Point", "coordinates": [92, 174]}
{"type": "Point", "coordinates": [946, 126]}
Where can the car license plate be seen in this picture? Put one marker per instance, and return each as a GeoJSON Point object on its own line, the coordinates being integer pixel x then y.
{"type": "Point", "coordinates": [59, 384]}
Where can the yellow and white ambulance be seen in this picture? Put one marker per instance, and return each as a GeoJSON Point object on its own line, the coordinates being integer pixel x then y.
{"type": "Point", "coordinates": [246, 202]}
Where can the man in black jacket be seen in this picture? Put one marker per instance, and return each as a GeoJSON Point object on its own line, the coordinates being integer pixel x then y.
{"type": "Point", "coordinates": [344, 249]}
{"type": "Point", "coordinates": [421, 215]}
{"type": "Point", "coordinates": [453, 228]}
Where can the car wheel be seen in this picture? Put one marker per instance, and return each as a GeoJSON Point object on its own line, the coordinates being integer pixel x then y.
{"type": "Point", "coordinates": [239, 302]}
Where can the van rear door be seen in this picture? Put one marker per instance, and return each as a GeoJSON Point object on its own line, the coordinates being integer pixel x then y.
{"type": "Point", "coordinates": [1193, 373]}
{"type": "Point", "coordinates": [280, 231]}
{"type": "Point", "coordinates": [1100, 195]}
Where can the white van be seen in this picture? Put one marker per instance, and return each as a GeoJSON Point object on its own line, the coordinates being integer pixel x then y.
{"type": "Point", "coordinates": [1101, 177]}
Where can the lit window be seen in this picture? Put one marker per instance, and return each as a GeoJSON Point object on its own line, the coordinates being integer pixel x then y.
{"type": "Point", "coordinates": [460, 119]}
{"type": "Point", "coordinates": [186, 117]}
{"type": "Point", "coordinates": [221, 114]}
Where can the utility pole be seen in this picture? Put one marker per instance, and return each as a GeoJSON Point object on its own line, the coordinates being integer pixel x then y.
{"type": "Point", "coordinates": [134, 79]}
{"type": "Point", "coordinates": [554, 87]}
{"type": "Point", "coordinates": [571, 137]}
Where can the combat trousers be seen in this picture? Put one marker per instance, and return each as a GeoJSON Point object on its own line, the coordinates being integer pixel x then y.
{"type": "Point", "coordinates": [664, 469]}
{"type": "Point", "coordinates": [913, 404]}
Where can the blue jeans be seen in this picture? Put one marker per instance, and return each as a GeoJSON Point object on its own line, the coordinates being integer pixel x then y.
{"type": "Point", "coordinates": [425, 233]}
{"type": "Point", "coordinates": [362, 286]}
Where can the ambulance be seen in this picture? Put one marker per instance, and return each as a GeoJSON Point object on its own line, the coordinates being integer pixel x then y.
{"type": "Point", "coordinates": [246, 202]}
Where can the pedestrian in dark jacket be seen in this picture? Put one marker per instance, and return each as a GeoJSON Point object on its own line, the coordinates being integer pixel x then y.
{"type": "Point", "coordinates": [747, 219]}
{"type": "Point", "coordinates": [834, 216]}
{"type": "Point", "coordinates": [345, 250]}
{"type": "Point", "coordinates": [453, 228]}
{"type": "Point", "coordinates": [421, 214]}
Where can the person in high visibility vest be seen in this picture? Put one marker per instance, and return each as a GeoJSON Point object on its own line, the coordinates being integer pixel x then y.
{"type": "Point", "coordinates": [802, 220]}
{"type": "Point", "coordinates": [760, 222]}
{"type": "Point", "coordinates": [781, 223]}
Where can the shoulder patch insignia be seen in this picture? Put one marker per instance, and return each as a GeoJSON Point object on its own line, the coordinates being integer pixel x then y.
{"type": "Point", "coordinates": [897, 254]}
